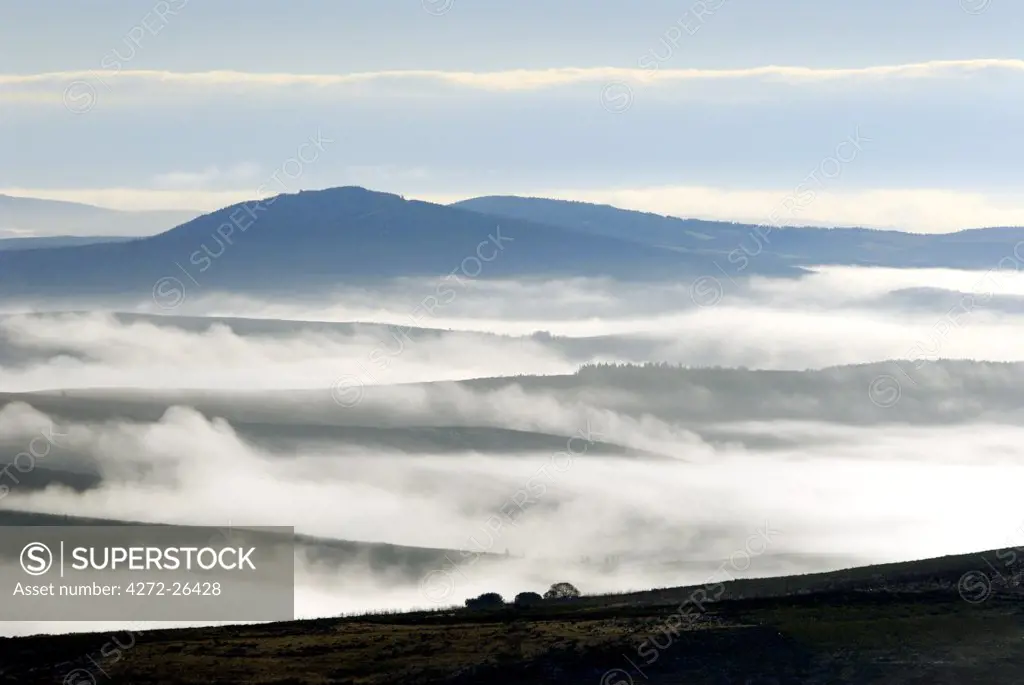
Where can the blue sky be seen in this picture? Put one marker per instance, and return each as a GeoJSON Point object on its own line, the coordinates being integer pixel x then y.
{"type": "Point", "coordinates": [714, 108]}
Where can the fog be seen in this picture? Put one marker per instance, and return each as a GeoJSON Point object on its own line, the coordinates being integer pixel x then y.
{"type": "Point", "coordinates": [613, 480]}
{"type": "Point", "coordinates": [834, 316]}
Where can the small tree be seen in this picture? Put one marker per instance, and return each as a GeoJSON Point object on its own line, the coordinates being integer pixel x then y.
{"type": "Point", "coordinates": [488, 600]}
{"type": "Point", "coordinates": [527, 599]}
{"type": "Point", "coordinates": [562, 591]}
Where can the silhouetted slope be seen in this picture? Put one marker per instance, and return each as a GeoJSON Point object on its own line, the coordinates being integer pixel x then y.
{"type": "Point", "coordinates": [974, 249]}
{"type": "Point", "coordinates": [340, 235]}
{"type": "Point", "coordinates": [947, 620]}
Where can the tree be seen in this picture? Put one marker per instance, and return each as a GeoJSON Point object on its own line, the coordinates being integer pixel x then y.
{"type": "Point", "coordinates": [488, 600]}
{"type": "Point", "coordinates": [527, 599]}
{"type": "Point", "coordinates": [562, 591]}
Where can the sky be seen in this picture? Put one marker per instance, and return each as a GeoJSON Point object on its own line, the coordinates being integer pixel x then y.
{"type": "Point", "coordinates": [900, 114]}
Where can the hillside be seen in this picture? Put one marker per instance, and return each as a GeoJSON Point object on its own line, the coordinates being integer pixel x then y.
{"type": "Point", "coordinates": [342, 235]}
{"type": "Point", "coordinates": [947, 620]}
{"type": "Point", "coordinates": [340, 556]}
{"type": "Point", "coordinates": [352, 235]}
{"type": "Point", "coordinates": [969, 249]}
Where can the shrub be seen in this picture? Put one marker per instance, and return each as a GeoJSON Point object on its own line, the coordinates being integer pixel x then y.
{"type": "Point", "coordinates": [527, 599]}
{"type": "Point", "coordinates": [488, 600]}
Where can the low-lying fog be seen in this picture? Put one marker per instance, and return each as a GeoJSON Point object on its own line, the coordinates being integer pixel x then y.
{"type": "Point", "coordinates": [610, 486]}
{"type": "Point", "coordinates": [835, 316]}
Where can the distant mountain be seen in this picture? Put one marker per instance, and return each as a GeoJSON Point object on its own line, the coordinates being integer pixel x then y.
{"type": "Point", "coordinates": [55, 241]}
{"type": "Point", "coordinates": [322, 238]}
{"type": "Point", "coordinates": [606, 220]}
{"type": "Point", "coordinates": [740, 247]}
{"type": "Point", "coordinates": [26, 217]}
{"type": "Point", "coordinates": [314, 240]}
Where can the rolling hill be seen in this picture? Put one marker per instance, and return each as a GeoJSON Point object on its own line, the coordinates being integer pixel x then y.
{"type": "Point", "coordinates": [343, 235]}
{"type": "Point", "coordinates": [353, 235]}
{"type": "Point", "coordinates": [982, 248]}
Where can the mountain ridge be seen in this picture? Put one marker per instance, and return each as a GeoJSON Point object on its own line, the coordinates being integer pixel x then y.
{"type": "Point", "coordinates": [743, 245]}
{"type": "Point", "coordinates": [352, 235]}
{"type": "Point", "coordinates": [339, 235]}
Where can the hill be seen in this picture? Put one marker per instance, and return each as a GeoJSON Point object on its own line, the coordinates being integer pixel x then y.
{"type": "Point", "coordinates": [55, 241]}
{"type": "Point", "coordinates": [401, 561]}
{"type": "Point", "coordinates": [968, 249]}
{"type": "Point", "coordinates": [322, 238]}
{"type": "Point", "coordinates": [946, 620]}
{"type": "Point", "coordinates": [352, 235]}
{"type": "Point", "coordinates": [29, 216]}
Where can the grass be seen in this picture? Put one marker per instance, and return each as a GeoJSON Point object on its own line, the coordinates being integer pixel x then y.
{"type": "Point", "coordinates": [897, 623]}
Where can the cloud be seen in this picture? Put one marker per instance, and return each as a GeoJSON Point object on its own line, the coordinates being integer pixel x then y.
{"type": "Point", "coordinates": [523, 79]}
{"type": "Point", "coordinates": [14, 232]}
{"type": "Point", "coordinates": [239, 173]}
{"type": "Point", "coordinates": [98, 350]}
{"type": "Point", "coordinates": [828, 489]}
{"type": "Point", "coordinates": [741, 139]}
{"type": "Point", "coordinates": [209, 434]}
{"type": "Point", "coordinates": [813, 322]}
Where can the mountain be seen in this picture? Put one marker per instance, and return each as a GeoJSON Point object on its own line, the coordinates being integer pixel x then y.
{"type": "Point", "coordinates": [606, 220]}
{"type": "Point", "coordinates": [24, 217]}
{"type": "Point", "coordinates": [56, 241]}
{"type": "Point", "coordinates": [747, 244]}
{"type": "Point", "coordinates": [321, 238]}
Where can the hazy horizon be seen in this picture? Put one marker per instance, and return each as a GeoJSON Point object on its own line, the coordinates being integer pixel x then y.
{"type": "Point", "coordinates": [714, 110]}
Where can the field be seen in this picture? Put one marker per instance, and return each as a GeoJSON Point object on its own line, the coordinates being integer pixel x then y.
{"type": "Point", "coordinates": [949, 620]}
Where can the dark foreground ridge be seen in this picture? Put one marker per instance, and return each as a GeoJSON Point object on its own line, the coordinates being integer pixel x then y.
{"type": "Point", "coordinates": [948, 620]}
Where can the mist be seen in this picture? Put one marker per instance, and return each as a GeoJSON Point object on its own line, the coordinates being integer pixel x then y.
{"type": "Point", "coordinates": [473, 434]}
{"type": "Point", "coordinates": [832, 317]}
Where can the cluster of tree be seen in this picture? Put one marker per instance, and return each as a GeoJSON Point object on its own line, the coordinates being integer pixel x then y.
{"type": "Point", "coordinates": [630, 365]}
{"type": "Point", "coordinates": [488, 600]}
{"type": "Point", "coordinates": [663, 375]}
{"type": "Point", "coordinates": [593, 368]}
{"type": "Point", "coordinates": [492, 600]}
{"type": "Point", "coordinates": [527, 599]}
